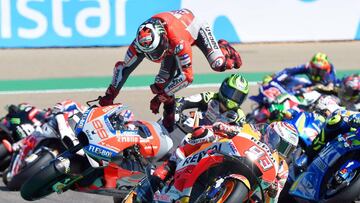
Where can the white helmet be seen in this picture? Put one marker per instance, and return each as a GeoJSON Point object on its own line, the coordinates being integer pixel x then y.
{"type": "Point", "coordinates": [282, 137]}
{"type": "Point", "coordinates": [151, 39]}
{"type": "Point", "coordinates": [328, 103]}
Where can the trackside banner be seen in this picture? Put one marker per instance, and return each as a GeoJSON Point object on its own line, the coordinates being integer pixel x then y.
{"type": "Point", "coordinates": [77, 23]}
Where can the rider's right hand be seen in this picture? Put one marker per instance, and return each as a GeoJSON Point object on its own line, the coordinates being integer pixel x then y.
{"type": "Point", "coordinates": [225, 130]}
{"type": "Point", "coordinates": [232, 57]}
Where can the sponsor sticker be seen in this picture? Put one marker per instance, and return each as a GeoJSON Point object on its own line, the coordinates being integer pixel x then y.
{"type": "Point", "coordinates": [99, 151]}
{"type": "Point", "coordinates": [217, 63]}
{"type": "Point", "coordinates": [198, 156]}
{"type": "Point", "coordinates": [179, 47]}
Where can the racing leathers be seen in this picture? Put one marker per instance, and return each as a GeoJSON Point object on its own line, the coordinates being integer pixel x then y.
{"type": "Point", "coordinates": [183, 30]}
{"type": "Point", "coordinates": [23, 119]}
{"type": "Point", "coordinates": [340, 122]}
{"type": "Point", "coordinates": [209, 105]}
{"type": "Point", "coordinates": [193, 142]}
{"type": "Point", "coordinates": [326, 84]}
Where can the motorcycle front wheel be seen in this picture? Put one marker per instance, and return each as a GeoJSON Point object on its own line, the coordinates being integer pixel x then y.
{"type": "Point", "coordinates": [233, 191]}
{"type": "Point", "coordinates": [5, 157]}
{"type": "Point", "coordinates": [41, 184]}
{"type": "Point", "coordinates": [44, 157]}
{"type": "Point", "coordinates": [335, 193]}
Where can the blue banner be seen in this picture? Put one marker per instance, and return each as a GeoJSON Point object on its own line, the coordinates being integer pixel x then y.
{"type": "Point", "coordinates": [82, 23]}
{"type": "Point", "coordinates": [62, 23]}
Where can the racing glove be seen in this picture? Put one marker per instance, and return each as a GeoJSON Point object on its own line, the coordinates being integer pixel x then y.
{"type": "Point", "coordinates": [272, 190]}
{"type": "Point", "coordinates": [225, 129]}
{"type": "Point", "coordinates": [157, 88]}
{"type": "Point", "coordinates": [232, 57]}
{"type": "Point", "coordinates": [157, 100]}
{"type": "Point", "coordinates": [109, 97]}
{"type": "Point", "coordinates": [155, 104]}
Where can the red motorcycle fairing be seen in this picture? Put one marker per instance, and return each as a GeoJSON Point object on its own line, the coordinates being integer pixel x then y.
{"type": "Point", "coordinates": [212, 155]}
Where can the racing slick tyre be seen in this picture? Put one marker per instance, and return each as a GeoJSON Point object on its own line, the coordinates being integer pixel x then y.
{"type": "Point", "coordinates": [284, 194]}
{"type": "Point", "coordinates": [4, 176]}
{"type": "Point", "coordinates": [41, 184]}
{"type": "Point", "coordinates": [232, 190]}
{"type": "Point", "coordinates": [43, 159]}
{"type": "Point", "coordinates": [118, 199]}
{"type": "Point", "coordinates": [5, 157]}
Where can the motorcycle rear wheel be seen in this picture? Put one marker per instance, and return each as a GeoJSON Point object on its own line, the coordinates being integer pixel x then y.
{"type": "Point", "coordinates": [43, 159]}
{"type": "Point", "coordinates": [40, 185]}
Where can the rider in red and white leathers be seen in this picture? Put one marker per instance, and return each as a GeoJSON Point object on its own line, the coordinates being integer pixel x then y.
{"type": "Point", "coordinates": [279, 137]}
{"type": "Point", "coordinates": [167, 38]}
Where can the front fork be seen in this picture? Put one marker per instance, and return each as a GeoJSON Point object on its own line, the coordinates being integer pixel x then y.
{"type": "Point", "coordinates": [63, 165]}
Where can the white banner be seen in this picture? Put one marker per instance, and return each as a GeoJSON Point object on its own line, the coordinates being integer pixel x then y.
{"type": "Point", "coordinates": [284, 20]}
{"type": "Point", "coordinates": [70, 23]}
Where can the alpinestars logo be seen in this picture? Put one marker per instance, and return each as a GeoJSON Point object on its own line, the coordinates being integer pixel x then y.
{"type": "Point", "coordinates": [209, 39]}
{"type": "Point", "coordinates": [179, 47]}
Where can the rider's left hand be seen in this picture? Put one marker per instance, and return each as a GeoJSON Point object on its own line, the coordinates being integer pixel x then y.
{"type": "Point", "coordinates": [155, 104]}
{"type": "Point", "coordinates": [232, 57]}
{"type": "Point", "coordinates": [156, 88]}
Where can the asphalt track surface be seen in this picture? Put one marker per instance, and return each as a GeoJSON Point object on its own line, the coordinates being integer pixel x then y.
{"type": "Point", "coordinates": [18, 64]}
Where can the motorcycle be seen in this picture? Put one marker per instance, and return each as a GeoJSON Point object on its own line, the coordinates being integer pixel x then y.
{"type": "Point", "coordinates": [308, 124]}
{"type": "Point", "coordinates": [274, 92]}
{"type": "Point", "coordinates": [109, 159]}
{"type": "Point", "coordinates": [227, 170]}
{"type": "Point", "coordinates": [39, 148]}
{"type": "Point", "coordinates": [20, 121]}
{"type": "Point", "coordinates": [333, 175]}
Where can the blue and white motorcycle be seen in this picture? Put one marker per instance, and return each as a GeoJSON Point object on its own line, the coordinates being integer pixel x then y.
{"type": "Point", "coordinates": [333, 175]}
{"type": "Point", "coordinates": [274, 92]}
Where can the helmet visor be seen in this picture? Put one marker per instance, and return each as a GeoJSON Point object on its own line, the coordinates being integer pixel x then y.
{"type": "Point", "coordinates": [231, 97]}
{"type": "Point", "coordinates": [159, 51]}
{"type": "Point", "coordinates": [285, 148]}
{"type": "Point", "coordinates": [272, 139]}
{"type": "Point", "coordinates": [318, 74]}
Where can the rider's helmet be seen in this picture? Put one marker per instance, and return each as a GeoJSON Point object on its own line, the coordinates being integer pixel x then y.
{"type": "Point", "coordinates": [350, 88]}
{"type": "Point", "coordinates": [282, 137]}
{"type": "Point", "coordinates": [319, 67]}
{"type": "Point", "coordinates": [151, 39]}
{"type": "Point", "coordinates": [122, 119]}
{"type": "Point", "coordinates": [233, 92]}
{"type": "Point", "coordinates": [267, 79]}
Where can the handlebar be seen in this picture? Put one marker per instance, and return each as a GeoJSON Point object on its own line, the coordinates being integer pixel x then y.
{"type": "Point", "coordinates": [92, 101]}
